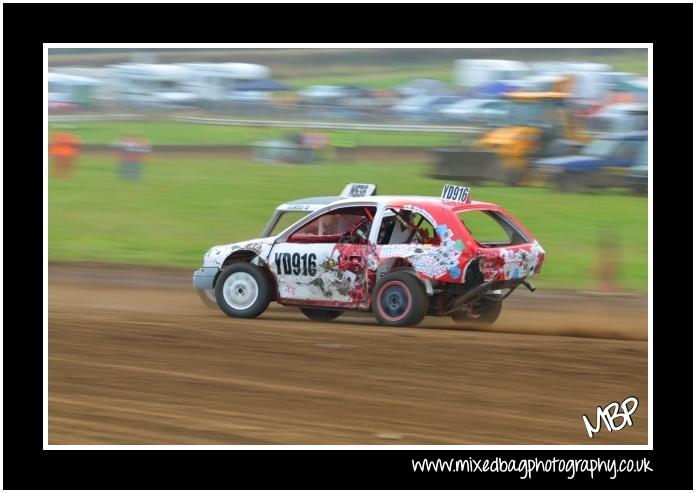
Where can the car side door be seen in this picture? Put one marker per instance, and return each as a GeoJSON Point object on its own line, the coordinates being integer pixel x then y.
{"type": "Point", "coordinates": [323, 262]}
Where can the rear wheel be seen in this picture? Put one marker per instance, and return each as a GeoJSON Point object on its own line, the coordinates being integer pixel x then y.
{"type": "Point", "coordinates": [399, 300]}
{"type": "Point", "coordinates": [483, 312]}
{"type": "Point", "coordinates": [243, 291]}
{"type": "Point", "coordinates": [321, 314]}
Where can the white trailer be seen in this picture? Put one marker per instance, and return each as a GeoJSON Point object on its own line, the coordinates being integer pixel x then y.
{"type": "Point", "coordinates": [63, 88]}
{"type": "Point", "coordinates": [227, 82]}
{"type": "Point", "coordinates": [475, 72]}
{"type": "Point", "coordinates": [151, 84]}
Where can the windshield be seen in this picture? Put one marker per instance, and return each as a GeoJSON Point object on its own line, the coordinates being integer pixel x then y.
{"type": "Point", "coordinates": [345, 225]}
{"type": "Point", "coordinates": [285, 220]}
{"type": "Point", "coordinates": [600, 148]}
{"type": "Point", "coordinates": [533, 112]}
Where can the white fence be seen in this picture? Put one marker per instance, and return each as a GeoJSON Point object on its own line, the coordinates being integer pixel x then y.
{"type": "Point", "coordinates": [326, 125]}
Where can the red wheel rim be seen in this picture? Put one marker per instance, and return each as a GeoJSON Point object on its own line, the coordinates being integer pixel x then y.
{"type": "Point", "coordinates": [394, 301]}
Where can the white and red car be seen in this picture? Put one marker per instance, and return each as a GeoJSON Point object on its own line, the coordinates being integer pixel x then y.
{"type": "Point", "coordinates": [400, 257]}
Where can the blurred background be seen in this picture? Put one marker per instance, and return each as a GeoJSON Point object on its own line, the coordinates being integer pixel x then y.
{"type": "Point", "coordinates": [156, 155]}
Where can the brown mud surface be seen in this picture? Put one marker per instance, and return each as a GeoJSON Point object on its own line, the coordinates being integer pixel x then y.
{"type": "Point", "coordinates": [136, 358]}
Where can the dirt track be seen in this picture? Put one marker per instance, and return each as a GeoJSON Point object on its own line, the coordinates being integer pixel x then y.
{"type": "Point", "coordinates": [135, 358]}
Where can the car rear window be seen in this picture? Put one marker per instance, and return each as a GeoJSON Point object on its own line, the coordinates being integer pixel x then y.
{"type": "Point", "coordinates": [491, 229]}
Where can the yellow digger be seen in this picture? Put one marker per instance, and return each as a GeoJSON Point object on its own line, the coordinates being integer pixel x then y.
{"type": "Point", "coordinates": [538, 124]}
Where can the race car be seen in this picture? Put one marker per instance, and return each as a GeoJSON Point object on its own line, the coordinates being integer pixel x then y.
{"type": "Point", "coordinates": [400, 257]}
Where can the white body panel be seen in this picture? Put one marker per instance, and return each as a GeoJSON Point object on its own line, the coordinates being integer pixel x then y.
{"type": "Point", "coordinates": [217, 254]}
{"type": "Point", "coordinates": [305, 272]}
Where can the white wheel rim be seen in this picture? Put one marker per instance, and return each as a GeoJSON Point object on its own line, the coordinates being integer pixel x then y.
{"type": "Point", "coordinates": [240, 290]}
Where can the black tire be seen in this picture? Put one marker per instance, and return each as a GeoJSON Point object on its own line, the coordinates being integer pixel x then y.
{"type": "Point", "coordinates": [249, 290]}
{"type": "Point", "coordinates": [399, 300]}
{"type": "Point", "coordinates": [486, 313]}
{"type": "Point", "coordinates": [320, 314]}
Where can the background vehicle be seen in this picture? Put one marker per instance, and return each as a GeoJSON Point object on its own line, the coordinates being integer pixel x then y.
{"type": "Point", "coordinates": [152, 85]}
{"type": "Point", "coordinates": [218, 84]}
{"type": "Point", "coordinates": [475, 112]}
{"type": "Point", "coordinates": [283, 151]}
{"type": "Point", "coordinates": [619, 117]}
{"type": "Point", "coordinates": [423, 108]}
{"type": "Point", "coordinates": [603, 163]}
{"type": "Point", "coordinates": [71, 91]}
{"type": "Point", "coordinates": [322, 94]}
{"type": "Point", "coordinates": [537, 124]}
{"type": "Point", "coordinates": [474, 72]}
{"type": "Point", "coordinates": [422, 87]}
{"type": "Point", "coordinates": [303, 147]}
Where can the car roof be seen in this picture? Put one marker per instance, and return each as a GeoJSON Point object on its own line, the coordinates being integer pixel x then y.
{"type": "Point", "coordinates": [314, 200]}
{"type": "Point", "coordinates": [401, 200]}
{"type": "Point", "coordinates": [307, 203]}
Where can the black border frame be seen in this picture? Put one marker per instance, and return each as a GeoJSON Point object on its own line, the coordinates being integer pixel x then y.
{"type": "Point", "coordinates": [27, 26]}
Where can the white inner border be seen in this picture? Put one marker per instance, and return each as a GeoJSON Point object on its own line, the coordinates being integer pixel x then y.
{"type": "Point", "coordinates": [649, 446]}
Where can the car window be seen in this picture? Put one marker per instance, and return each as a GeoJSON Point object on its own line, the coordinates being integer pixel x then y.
{"type": "Point", "coordinates": [403, 227]}
{"type": "Point", "coordinates": [287, 219]}
{"type": "Point", "coordinates": [348, 225]}
{"type": "Point", "coordinates": [490, 228]}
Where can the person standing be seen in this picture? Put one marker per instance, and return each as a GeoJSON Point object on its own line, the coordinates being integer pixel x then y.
{"type": "Point", "coordinates": [132, 152]}
{"type": "Point", "coordinates": [63, 150]}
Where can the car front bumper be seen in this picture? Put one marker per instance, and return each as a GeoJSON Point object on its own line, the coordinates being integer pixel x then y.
{"type": "Point", "coordinates": [204, 278]}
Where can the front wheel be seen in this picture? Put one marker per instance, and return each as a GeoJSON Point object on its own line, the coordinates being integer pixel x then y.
{"type": "Point", "coordinates": [321, 314]}
{"type": "Point", "coordinates": [483, 312]}
{"type": "Point", "coordinates": [243, 291]}
{"type": "Point", "coordinates": [399, 300]}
